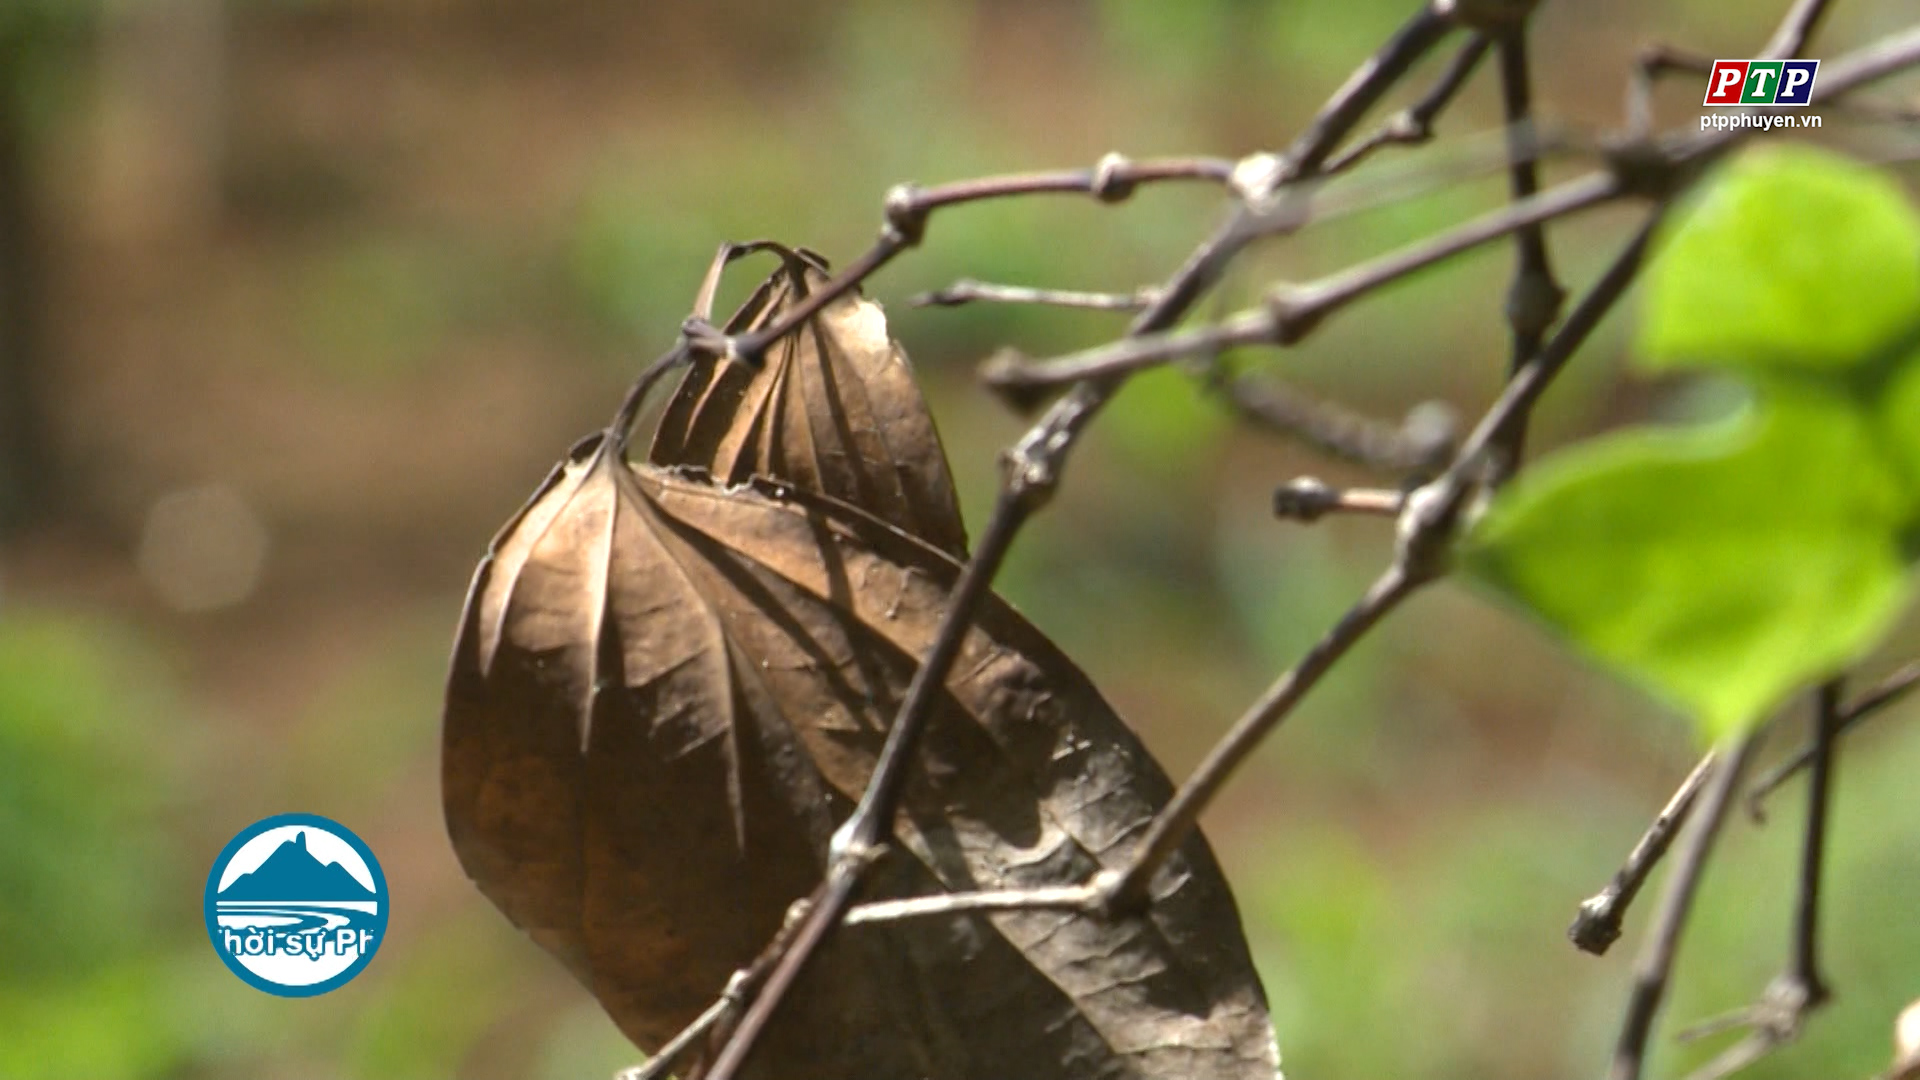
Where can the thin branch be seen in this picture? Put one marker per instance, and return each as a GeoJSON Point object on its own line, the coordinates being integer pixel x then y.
{"type": "Point", "coordinates": [1782, 1011]}
{"type": "Point", "coordinates": [1426, 527]}
{"type": "Point", "coordinates": [658, 1066]}
{"type": "Point", "coordinates": [907, 208]}
{"type": "Point", "coordinates": [1056, 898]}
{"type": "Point", "coordinates": [1889, 691]}
{"type": "Point", "coordinates": [1031, 472]}
{"type": "Point", "coordinates": [969, 291]}
{"type": "Point", "coordinates": [1534, 298]}
{"type": "Point", "coordinates": [1597, 926]}
{"type": "Point", "coordinates": [1424, 441]}
{"type": "Point", "coordinates": [1310, 152]}
{"type": "Point", "coordinates": [1032, 465]}
{"type": "Point", "coordinates": [1308, 499]}
{"type": "Point", "coordinates": [1806, 927]}
{"type": "Point", "coordinates": [1413, 125]}
{"type": "Point", "coordinates": [1656, 959]}
{"type": "Point", "coordinates": [1127, 888]}
{"type": "Point", "coordinates": [1599, 921]}
{"type": "Point", "coordinates": [1791, 38]}
{"type": "Point", "coordinates": [1290, 312]}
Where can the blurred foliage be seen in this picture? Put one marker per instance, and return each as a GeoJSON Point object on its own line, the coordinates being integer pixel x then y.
{"type": "Point", "coordinates": [432, 243]}
{"type": "Point", "coordinates": [1727, 565]}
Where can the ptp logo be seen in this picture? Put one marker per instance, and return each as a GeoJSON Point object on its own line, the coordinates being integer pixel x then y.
{"type": "Point", "coordinates": [1761, 82]}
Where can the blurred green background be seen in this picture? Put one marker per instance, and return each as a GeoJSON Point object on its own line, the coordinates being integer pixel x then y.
{"type": "Point", "coordinates": [299, 299]}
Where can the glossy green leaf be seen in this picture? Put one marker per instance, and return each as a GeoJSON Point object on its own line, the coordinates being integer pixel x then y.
{"type": "Point", "coordinates": [1794, 258]}
{"type": "Point", "coordinates": [1721, 567]}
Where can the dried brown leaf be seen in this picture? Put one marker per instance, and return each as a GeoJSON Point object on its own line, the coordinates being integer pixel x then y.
{"type": "Point", "coordinates": [833, 411]}
{"type": "Point", "coordinates": [666, 694]}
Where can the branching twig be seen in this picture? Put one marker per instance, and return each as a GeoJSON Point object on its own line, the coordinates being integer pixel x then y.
{"type": "Point", "coordinates": [1270, 200]}
{"type": "Point", "coordinates": [1598, 924]}
{"type": "Point", "coordinates": [1413, 125]}
{"type": "Point", "coordinates": [1534, 298]}
{"type": "Point", "coordinates": [1656, 959]}
{"type": "Point", "coordinates": [1031, 472]}
{"type": "Point", "coordinates": [1889, 691]}
{"type": "Point", "coordinates": [1290, 311]}
{"type": "Point", "coordinates": [1781, 1013]}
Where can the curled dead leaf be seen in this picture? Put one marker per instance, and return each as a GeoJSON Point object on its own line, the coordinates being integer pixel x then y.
{"type": "Point", "coordinates": [833, 410]}
{"type": "Point", "coordinates": [670, 686]}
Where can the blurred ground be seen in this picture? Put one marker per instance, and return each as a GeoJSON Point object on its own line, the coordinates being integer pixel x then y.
{"type": "Point", "coordinates": [322, 288]}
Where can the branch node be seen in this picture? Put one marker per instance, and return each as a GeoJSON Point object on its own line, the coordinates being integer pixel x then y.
{"type": "Point", "coordinates": [1293, 314]}
{"type": "Point", "coordinates": [1108, 185]}
{"type": "Point", "coordinates": [1118, 894]}
{"type": "Point", "coordinates": [1427, 521]}
{"type": "Point", "coordinates": [906, 215]}
{"type": "Point", "coordinates": [1305, 498]}
{"type": "Point", "coordinates": [1533, 304]}
{"type": "Point", "coordinates": [1597, 926]}
{"type": "Point", "coordinates": [1257, 177]}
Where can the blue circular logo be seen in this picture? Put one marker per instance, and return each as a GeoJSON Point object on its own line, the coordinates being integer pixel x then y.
{"type": "Point", "coordinates": [296, 905]}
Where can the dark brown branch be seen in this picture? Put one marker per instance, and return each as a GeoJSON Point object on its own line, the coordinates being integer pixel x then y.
{"type": "Point", "coordinates": [1290, 312]}
{"type": "Point", "coordinates": [1422, 443]}
{"type": "Point", "coordinates": [1031, 471]}
{"type": "Point", "coordinates": [1534, 298]}
{"type": "Point", "coordinates": [907, 208]}
{"type": "Point", "coordinates": [1127, 889]}
{"type": "Point", "coordinates": [662, 1063]}
{"type": "Point", "coordinates": [1426, 528]}
{"type": "Point", "coordinates": [1791, 38]}
{"type": "Point", "coordinates": [1597, 926]}
{"type": "Point", "coordinates": [1413, 125]}
{"type": "Point", "coordinates": [1868, 705]}
{"type": "Point", "coordinates": [1781, 1014]}
{"type": "Point", "coordinates": [1310, 152]}
{"type": "Point", "coordinates": [1032, 465]}
{"type": "Point", "coordinates": [1655, 965]}
{"type": "Point", "coordinates": [1599, 921]}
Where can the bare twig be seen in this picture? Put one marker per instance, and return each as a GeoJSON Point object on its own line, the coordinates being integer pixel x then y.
{"type": "Point", "coordinates": [1791, 37]}
{"type": "Point", "coordinates": [1423, 442]}
{"type": "Point", "coordinates": [663, 1062]}
{"type": "Point", "coordinates": [1780, 1015]}
{"type": "Point", "coordinates": [1126, 889]}
{"type": "Point", "coordinates": [1598, 923]}
{"type": "Point", "coordinates": [1413, 125]}
{"type": "Point", "coordinates": [1031, 472]}
{"type": "Point", "coordinates": [1426, 528]}
{"type": "Point", "coordinates": [1266, 187]}
{"type": "Point", "coordinates": [1057, 898]}
{"type": "Point", "coordinates": [1597, 926]}
{"type": "Point", "coordinates": [1289, 312]}
{"type": "Point", "coordinates": [907, 208]}
{"type": "Point", "coordinates": [1534, 298]}
{"type": "Point", "coordinates": [1656, 959]}
{"type": "Point", "coordinates": [1308, 499]}
{"type": "Point", "coordinates": [969, 291]}
{"type": "Point", "coordinates": [1868, 705]}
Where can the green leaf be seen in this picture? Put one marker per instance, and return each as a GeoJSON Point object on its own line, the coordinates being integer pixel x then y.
{"type": "Point", "coordinates": [1898, 416]}
{"type": "Point", "coordinates": [1794, 258]}
{"type": "Point", "coordinates": [1721, 567]}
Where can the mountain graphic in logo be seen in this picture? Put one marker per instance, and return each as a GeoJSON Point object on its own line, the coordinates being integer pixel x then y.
{"type": "Point", "coordinates": [292, 873]}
